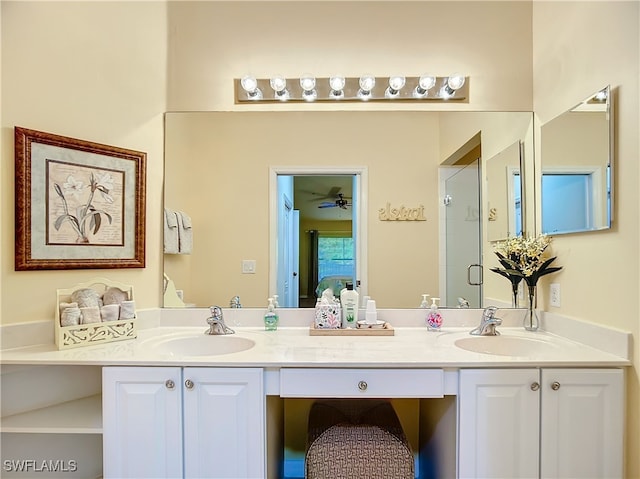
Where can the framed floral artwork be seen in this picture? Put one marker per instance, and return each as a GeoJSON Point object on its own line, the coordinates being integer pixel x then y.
{"type": "Point", "coordinates": [79, 205]}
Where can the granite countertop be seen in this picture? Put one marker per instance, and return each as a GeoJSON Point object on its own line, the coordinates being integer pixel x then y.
{"type": "Point", "coordinates": [292, 346]}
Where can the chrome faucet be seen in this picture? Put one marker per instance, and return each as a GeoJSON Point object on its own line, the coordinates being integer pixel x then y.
{"type": "Point", "coordinates": [488, 323]}
{"type": "Point", "coordinates": [463, 303]}
{"type": "Point", "coordinates": [216, 322]}
{"type": "Point", "coordinates": [235, 302]}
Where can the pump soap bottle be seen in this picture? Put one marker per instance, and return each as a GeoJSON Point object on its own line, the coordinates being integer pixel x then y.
{"type": "Point", "coordinates": [349, 300]}
{"type": "Point", "coordinates": [271, 317]}
{"type": "Point", "coordinates": [434, 318]}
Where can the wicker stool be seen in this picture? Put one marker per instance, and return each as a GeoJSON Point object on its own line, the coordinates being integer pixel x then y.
{"type": "Point", "coordinates": [356, 439]}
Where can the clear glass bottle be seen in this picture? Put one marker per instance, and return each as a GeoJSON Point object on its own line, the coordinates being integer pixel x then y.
{"type": "Point", "coordinates": [271, 317]}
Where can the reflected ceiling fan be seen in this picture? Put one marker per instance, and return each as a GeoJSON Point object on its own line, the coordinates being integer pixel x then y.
{"type": "Point", "coordinates": [340, 202]}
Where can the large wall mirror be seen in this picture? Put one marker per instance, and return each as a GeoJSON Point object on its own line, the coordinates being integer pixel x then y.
{"type": "Point", "coordinates": [576, 157]}
{"type": "Point", "coordinates": [218, 167]}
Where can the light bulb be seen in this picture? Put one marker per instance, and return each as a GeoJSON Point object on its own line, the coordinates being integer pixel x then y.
{"type": "Point", "coordinates": [307, 82]}
{"type": "Point", "coordinates": [278, 84]}
{"type": "Point", "coordinates": [425, 83]}
{"type": "Point", "coordinates": [455, 81]}
{"type": "Point", "coordinates": [396, 82]}
{"type": "Point", "coordinates": [337, 83]}
{"type": "Point", "coordinates": [250, 85]}
{"type": "Point", "coordinates": [395, 85]}
{"type": "Point", "coordinates": [367, 82]}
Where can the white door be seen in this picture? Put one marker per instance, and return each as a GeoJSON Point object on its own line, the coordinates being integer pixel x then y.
{"type": "Point", "coordinates": [294, 300]}
{"type": "Point", "coordinates": [498, 423]}
{"type": "Point", "coordinates": [582, 423]}
{"type": "Point", "coordinates": [142, 422]}
{"type": "Point", "coordinates": [224, 433]}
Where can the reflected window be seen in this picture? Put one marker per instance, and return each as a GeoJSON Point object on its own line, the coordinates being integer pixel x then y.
{"type": "Point", "coordinates": [517, 203]}
{"type": "Point", "coordinates": [335, 256]}
{"type": "Point", "coordinates": [567, 202]}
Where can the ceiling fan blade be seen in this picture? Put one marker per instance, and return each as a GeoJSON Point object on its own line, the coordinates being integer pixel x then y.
{"type": "Point", "coordinates": [334, 192]}
{"type": "Point", "coordinates": [327, 205]}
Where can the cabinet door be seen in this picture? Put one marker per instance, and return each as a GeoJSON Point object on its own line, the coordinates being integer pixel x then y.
{"type": "Point", "coordinates": [498, 423]}
{"type": "Point", "coordinates": [582, 423]}
{"type": "Point", "coordinates": [142, 422]}
{"type": "Point", "coordinates": [224, 416]}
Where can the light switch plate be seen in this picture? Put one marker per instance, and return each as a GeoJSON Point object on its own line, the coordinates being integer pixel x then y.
{"type": "Point", "coordinates": [248, 266]}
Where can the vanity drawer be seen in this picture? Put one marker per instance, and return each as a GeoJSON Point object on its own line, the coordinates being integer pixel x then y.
{"type": "Point", "coordinates": [353, 383]}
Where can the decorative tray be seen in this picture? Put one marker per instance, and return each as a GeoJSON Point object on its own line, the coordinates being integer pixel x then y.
{"type": "Point", "coordinates": [103, 331]}
{"type": "Point", "coordinates": [386, 330]}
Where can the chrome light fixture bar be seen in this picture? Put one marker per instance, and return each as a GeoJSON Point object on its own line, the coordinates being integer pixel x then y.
{"type": "Point", "coordinates": [310, 89]}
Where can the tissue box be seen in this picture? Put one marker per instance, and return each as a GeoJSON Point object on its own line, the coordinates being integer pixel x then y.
{"type": "Point", "coordinates": [328, 316]}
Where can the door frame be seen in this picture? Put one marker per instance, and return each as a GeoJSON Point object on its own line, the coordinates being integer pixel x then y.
{"type": "Point", "coordinates": [360, 214]}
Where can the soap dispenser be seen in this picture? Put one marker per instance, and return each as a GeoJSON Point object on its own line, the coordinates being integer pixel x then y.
{"type": "Point", "coordinates": [425, 302]}
{"type": "Point", "coordinates": [271, 317]}
{"type": "Point", "coordinates": [434, 318]}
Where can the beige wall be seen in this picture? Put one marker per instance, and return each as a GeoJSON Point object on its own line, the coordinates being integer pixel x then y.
{"type": "Point", "coordinates": [94, 71]}
{"type": "Point", "coordinates": [578, 48]}
{"type": "Point", "coordinates": [214, 42]}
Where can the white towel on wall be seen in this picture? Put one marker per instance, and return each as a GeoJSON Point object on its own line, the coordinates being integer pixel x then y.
{"type": "Point", "coordinates": [171, 245]}
{"type": "Point", "coordinates": [185, 233]}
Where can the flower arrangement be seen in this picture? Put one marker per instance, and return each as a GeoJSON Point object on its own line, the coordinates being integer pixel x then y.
{"type": "Point", "coordinates": [525, 259]}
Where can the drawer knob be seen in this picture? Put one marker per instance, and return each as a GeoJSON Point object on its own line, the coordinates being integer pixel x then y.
{"type": "Point", "coordinates": [535, 386]}
{"type": "Point", "coordinates": [555, 385]}
{"type": "Point", "coordinates": [189, 384]}
{"type": "Point", "coordinates": [362, 385]}
{"type": "Point", "coordinates": [170, 384]}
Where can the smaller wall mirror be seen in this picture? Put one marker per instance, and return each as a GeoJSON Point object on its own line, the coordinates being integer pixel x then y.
{"type": "Point", "coordinates": [576, 160]}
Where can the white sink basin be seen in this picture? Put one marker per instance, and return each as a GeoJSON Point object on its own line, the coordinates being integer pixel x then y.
{"type": "Point", "coordinates": [203, 345]}
{"type": "Point", "coordinates": [504, 345]}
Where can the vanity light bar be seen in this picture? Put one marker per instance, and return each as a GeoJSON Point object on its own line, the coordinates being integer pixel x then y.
{"type": "Point", "coordinates": [365, 88]}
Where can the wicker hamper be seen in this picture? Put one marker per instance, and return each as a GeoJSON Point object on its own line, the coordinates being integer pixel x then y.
{"type": "Point", "coordinates": [353, 439]}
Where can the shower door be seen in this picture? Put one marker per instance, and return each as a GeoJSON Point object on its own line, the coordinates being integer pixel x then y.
{"type": "Point", "coordinates": [463, 236]}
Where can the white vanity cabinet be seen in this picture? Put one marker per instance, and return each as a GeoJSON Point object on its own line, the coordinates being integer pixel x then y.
{"type": "Point", "coordinates": [183, 422]}
{"type": "Point", "coordinates": [549, 423]}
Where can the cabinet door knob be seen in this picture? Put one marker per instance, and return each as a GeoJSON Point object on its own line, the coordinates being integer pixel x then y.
{"type": "Point", "coordinates": [555, 385]}
{"type": "Point", "coordinates": [189, 384]}
{"type": "Point", "coordinates": [362, 385]}
{"type": "Point", "coordinates": [170, 384]}
{"type": "Point", "coordinates": [535, 386]}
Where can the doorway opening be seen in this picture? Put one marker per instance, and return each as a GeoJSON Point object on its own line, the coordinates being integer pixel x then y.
{"type": "Point", "coordinates": [328, 238]}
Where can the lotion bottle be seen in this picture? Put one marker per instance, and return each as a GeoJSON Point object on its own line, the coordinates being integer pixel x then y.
{"type": "Point", "coordinates": [271, 317]}
{"type": "Point", "coordinates": [434, 318]}
{"type": "Point", "coordinates": [349, 300]}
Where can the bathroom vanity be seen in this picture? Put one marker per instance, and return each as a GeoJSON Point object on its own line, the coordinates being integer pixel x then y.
{"type": "Point", "coordinates": [530, 405]}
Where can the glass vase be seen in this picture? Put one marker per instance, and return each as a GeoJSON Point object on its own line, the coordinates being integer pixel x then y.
{"type": "Point", "coordinates": [531, 321]}
{"type": "Point", "coordinates": [515, 300]}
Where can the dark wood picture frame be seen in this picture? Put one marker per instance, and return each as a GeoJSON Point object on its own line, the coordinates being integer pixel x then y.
{"type": "Point", "coordinates": [79, 204]}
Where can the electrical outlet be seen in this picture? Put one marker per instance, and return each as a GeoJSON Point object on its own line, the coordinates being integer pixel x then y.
{"type": "Point", "coordinates": [248, 266]}
{"type": "Point", "coordinates": [554, 295]}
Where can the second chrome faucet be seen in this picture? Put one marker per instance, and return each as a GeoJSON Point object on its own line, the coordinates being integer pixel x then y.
{"type": "Point", "coordinates": [488, 323]}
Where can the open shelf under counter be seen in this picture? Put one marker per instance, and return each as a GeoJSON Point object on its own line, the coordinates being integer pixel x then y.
{"type": "Point", "coordinates": [79, 416]}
